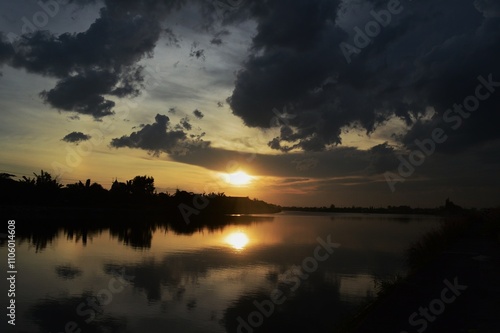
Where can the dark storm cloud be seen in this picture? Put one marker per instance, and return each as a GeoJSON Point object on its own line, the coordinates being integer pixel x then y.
{"type": "Point", "coordinates": [357, 175]}
{"type": "Point", "coordinates": [160, 137]}
{"type": "Point", "coordinates": [429, 55]}
{"type": "Point", "coordinates": [489, 8]}
{"type": "Point", "coordinates": [338, 162]}
{"type": "Point", "coordinates": [198, 114]}
{"type": "Point", "coordinates": [83, 93]}
{"type": "Point", "coordinates": [100, 61]}
{"type": "Point", "coordinates": [6, 50]}
{"type": "Point", "coordinates": [381, 158]}
{"type": "Point", "coordinates": [75, 137]}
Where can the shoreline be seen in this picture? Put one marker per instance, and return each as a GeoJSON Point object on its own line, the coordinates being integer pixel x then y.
{"type": "Point", "coordinates": [468, 255]}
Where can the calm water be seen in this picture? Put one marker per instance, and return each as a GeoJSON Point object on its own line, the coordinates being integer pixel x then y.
{"type": "Point", "coordinates": [160, 281]}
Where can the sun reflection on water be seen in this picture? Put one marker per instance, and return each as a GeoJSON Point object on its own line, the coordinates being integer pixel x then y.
{"type": "Point", "coordinates": [237, 240]}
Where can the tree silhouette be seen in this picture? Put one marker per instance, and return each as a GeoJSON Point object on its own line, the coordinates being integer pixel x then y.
{"type": "Point", "coordinates": [142, 186]}
{"type": "Point", "coordinates": [6, 177]}
{"type": "Point", "coordinates": [45, 190]}
{"type": "Point", "coordinates": [44, 181]}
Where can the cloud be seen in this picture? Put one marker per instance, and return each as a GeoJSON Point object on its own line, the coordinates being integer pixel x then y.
{"type": "Point", "coordinates": [160, 137]}
{"type": "Point", "coordinates": [489, 8]}
{"type": "Point", "coordinates": [196, 52]}
{"type": "Point", "coordinates": [217, 38]}
{"type": "Point", "coordinates": [198, 114]}
{"type": "Point", "coordinates": [295, 63]}
{"type": "Point", "coordinates": [172, 38]}
{"type": "Point", "coordinates": [353, 175]}
{"type": "Point", "coordinates": [338, 162]}
{"type": "Point", "coordinates": [99, 62]}
{"type": "Point", "coordinates": [103, 62]}
{"type": "Point", "coordinates": [83, 93]}
{"type": "Point", "coordinates": [6, 50]}
{"type": "Point", "coordinates": [184, 123]}
{"type": "Point", "coordinates": [428, 56]}
{"type": "Point", "coordinates": [76, 137]}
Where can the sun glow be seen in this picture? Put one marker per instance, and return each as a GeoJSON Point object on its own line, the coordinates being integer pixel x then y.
{"type": "Point", "coordinates": [238, 178]}
{"type": "Point", "coordinates": [238, 240]}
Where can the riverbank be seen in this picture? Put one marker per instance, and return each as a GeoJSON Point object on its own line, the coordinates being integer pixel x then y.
{"type": "Point", "coordinates": [452, 285]}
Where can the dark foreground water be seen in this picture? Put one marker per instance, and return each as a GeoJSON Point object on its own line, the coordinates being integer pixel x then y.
{"type": "Point", "coordinates": [290, 272]}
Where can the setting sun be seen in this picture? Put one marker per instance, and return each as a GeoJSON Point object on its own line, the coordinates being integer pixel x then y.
{"type": "Point", "coordinates": [238, 240]}
{"type": "Point", "coordinates": [238, 178]}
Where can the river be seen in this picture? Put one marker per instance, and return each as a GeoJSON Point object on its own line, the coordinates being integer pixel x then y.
{"type": "Point", "coordinates": [292, 271]}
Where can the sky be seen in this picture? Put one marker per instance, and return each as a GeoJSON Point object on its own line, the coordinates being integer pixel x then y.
{"type": "Point", "coordinates": [319, 102]}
